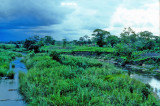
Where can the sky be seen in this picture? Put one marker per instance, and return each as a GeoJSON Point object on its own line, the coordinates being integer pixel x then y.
{"type": "Point", "coordinates": [71, 19]}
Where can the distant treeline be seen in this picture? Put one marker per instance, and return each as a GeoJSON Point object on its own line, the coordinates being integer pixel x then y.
{"type": "Point", "coordinates": [128, 39]}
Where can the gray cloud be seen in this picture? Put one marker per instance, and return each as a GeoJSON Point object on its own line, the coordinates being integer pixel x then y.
{"type": "Point", "coordinates": [31, 13]}
{"type": "Point", "coordinates": [49, 17]}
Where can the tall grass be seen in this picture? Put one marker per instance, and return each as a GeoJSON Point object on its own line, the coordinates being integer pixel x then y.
{"type": "Point", "coordinates": [49, 82]}
{"type": "Point", "coordinates": [5, 58]}
{"type": "Point", "coordinates": [80, 61]}
{"type": "Point", "coordinates": [7, 46]}
{"type": "Point", "coordinates": [77, 49]}
{"type": "Point", "coordinates": [12, 47]}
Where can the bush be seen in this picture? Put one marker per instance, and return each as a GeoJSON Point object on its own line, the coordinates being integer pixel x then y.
{"type": "Point", "coordinates": [123, 50]}
{"type": "Point", "coordinates": [5, 58]}
{"type": "Point", "coordinates": [10, 74]}
{"type": "Point", "coordinates": [34, 47]}
{"type": "Point", "coordinates": [55, 56]}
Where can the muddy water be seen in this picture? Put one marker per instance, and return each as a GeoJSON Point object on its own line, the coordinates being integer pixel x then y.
{"type": "Point", "coordinates": [9, 95]}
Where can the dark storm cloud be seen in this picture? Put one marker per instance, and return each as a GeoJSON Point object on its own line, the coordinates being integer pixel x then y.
{"type": "Point", "coordinates": [61, 19]}
{"type": "Point", "coordinates": [30, 13]}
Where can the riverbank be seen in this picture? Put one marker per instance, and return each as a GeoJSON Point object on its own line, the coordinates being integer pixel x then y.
{"type": "Point", "coordinates": [147, 74]}
{"type": "Point", "coordinates": [143, 64]}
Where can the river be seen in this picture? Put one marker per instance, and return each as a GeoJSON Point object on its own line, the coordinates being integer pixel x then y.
{"type": "Point", "coordinates": [146, 78]}
{"type": "Point", "coordinates": [9, 95]}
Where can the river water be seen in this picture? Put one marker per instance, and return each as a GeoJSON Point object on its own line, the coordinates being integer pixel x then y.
{"type": "Point", "coordinates": [9, 95]}
{"type": "Point", "coordinates": [146, 78]}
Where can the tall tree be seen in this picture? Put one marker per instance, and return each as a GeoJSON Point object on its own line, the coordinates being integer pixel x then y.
{"type": "Point", "coordinates": [28, 43]}
{"type": "Point", "coordinates": [128, 36]}
{"type": "Point", "coordinates": [86, 37]}
{"type": "Point", "coordinates": [81, 40]}
{"type": "Point", "coordinates": [100, 36]}
{"type": "Point", "coordinates": [48, 40]}
{"type": "Point", "coordinates": [146, 35]}
{"type": "Point", "coordinates": [64, 42]}
{"type": "Point", "coordinates": [112, 40]}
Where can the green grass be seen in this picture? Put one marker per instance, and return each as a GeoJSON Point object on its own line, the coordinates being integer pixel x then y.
{"type": "Point", "coordinates": [77, 49]}
{"type": "Point", "coordinates": [137, 53]}
{"type": "Point", "coordinates": [5, 58]}
{"type": "Point", "coordinates": [7, 46]}
{"type": "Point", "coordinates": [12, 47]}
{"type": "Point", "coordinates": [148, 60]}
{"type": "Point", "coordinates": [49, 82]}
{"type": "Point", "coordinates": [80, 61]}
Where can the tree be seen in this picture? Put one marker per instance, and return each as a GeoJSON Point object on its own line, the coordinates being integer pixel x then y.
{"type": "Point", "coordinates": [64, 42]}
{"type": "Point", "coordinates": [146, 35]}
{"type": "Point", "coordinates": [157, 39]}
{"type": "Point", "coordinates": [112, 40]}
{"type": "Point", "coordinates": [128, 36]}
{"type": "Point", "coordinates": [33, 43]}
{"type": "Point", "coordinates": [89, 41]}
{"type": "Point", "coordinates": [53, 42]}
{"type": "Point", "coordinates": [123, 49]}
{"type": "Point", "coordinates": [100, 36]}
{"type": "Point", "coordinates": [36, 38]}
{"type": "Point", "coordinates": [81, 39]}
{"type": "Point", "coordinates": [48, 40]}
{"type": "Point", "coordinates": [86, 37]}
{"type": "Point", "coordinates": [138, 45]}
{"type": "Point", "coordinates": [150, 44]}
{"type": "Point", "coordinates": [28, 43]}
{"type": "Point", "coordinates": [75, 42]}
{"type": "Point", "coordinates": [40, 43]}
{"type": "Point", "coordinates": [34, 47]}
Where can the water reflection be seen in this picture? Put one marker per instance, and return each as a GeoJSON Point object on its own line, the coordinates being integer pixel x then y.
{"type": "Point", "coordinates": [153, 82]}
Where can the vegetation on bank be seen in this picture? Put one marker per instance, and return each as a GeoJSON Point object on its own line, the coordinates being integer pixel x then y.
{"type": "Point", "coordinates": [128, 48]}
{"type": "Point", "coordinates": [12, 47]}
{"type": "Point", "coordinates": [5, 58]}
{"type": "Point", "coordinates": [125, 48]}
{"type": "Point", "coordinates": [69, 80]}
{"type": "Point", "coordinates": [72, 49]}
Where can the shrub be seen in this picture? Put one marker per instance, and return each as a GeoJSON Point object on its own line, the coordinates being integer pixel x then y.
{"type": "Point", "coordinates": [10, 74]}
{"type": "Point", "coordinates": [123, 50]}
{"type": "Point", "coordinates": [55, 56]}
{"type": "Point", "coordinates": [5, 58]}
